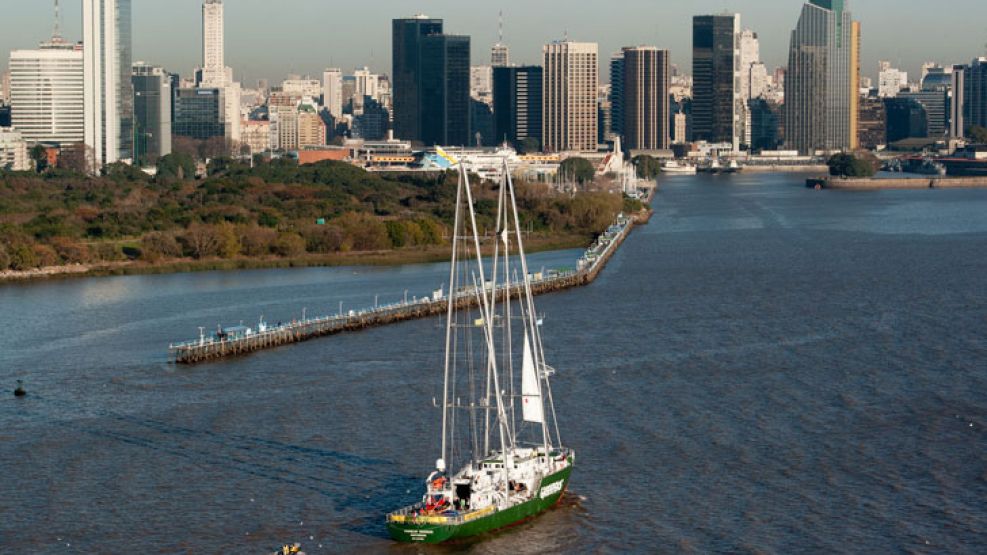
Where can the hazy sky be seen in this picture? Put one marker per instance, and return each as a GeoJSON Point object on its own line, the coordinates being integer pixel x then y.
{"type": "Point", "coordinates": [270, 39]}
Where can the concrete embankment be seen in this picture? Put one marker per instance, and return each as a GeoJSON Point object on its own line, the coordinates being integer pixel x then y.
{"type": "Point", "coordinates": [786, 169]}
{"type": "Point", "coordinates": [864, 184]}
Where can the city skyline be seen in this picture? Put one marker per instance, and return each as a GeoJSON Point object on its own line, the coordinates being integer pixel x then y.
{"type": "Point", "coordinates": [315, 43]}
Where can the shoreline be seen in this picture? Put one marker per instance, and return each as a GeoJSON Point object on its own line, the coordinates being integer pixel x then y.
{"type": "Point", "coordinates": [189, 265]}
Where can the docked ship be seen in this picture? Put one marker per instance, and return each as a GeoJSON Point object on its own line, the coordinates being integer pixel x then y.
{"type": "Point", "coordinates": [501, 458]}
{"type": "Point", "coordinates": [674, 167]}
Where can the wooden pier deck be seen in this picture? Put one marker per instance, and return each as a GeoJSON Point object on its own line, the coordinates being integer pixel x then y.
{"type": "Point", "coordinates": [207, 349]}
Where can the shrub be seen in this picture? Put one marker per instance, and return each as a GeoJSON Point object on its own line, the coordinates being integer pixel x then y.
{"type": "Point", "coordinates": [256, 240]}
{"type": "Point", "coordinates": [288, 244]}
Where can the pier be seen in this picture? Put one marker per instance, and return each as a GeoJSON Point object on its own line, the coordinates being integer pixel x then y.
{"type": "Point", "coordinates": [239, 340]}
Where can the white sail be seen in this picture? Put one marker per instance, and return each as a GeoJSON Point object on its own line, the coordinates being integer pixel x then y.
{"type": "Point", "coordinates": [534, 410]}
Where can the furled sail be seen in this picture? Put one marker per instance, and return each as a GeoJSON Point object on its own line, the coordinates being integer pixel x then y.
{"type": "Point", "coordinates": [534, 410]}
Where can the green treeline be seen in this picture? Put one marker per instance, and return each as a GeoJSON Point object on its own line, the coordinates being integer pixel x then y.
{"type": "Point", "coordinates": [275, 209]}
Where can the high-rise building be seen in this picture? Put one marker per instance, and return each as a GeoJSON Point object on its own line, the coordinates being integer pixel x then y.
{"type": "Point", "coordinates": [890, 80]}
{"type": "Point", "coordinates": [332, 91]}
{"type": "Point", "coordinates": [872, 124]}
{"type": "Point", "coordinates": [765, 124]}
{"type": "Point", "coordinates": [572, 77]}
{"type": "Point", "coordinates": [13, 151]}
{"type": "Point", "coordinates": [108, 93]}
{"type": "Point", "coordinates": [200, 113]}
{"type": "Point", "coordinates": [366, 83]}
{"type": "Point", "coordinates": [500, 55]}
{"type": "Point", "coordinates": [407, 37]}
{"type": "Point", "coordinates": [445, 88]}
{"type": "Point", "coordinates": [817, 84]}
{"type": "Point", "coordinates": [957, 126]}
{"type": "Point", "coordinates": [152, 112]}
{"type": "Point", "coordinates": [646, 101]}
{"type": "Point", "coordinates": [617, 93]}
{"type": "Point", "coordinates": [717, 105]}
{"type": "Point", "coordinates": [481, 124]}
{"type": "Point", "coordinates": [302, 87]}
{"type": "Point", "coordinates": [517, 98]}
{"type": "Point", "coordinates": [371, 125]}
{"type": "Point", "coordinates": [970, 96]}
{"type": "Point", "coordinates": [213, 56]}
{"type": "Point", "coordinates": [5, 87]}
{"type": "Point", "coordinates": [256, 135]}
{"type": "Point", "coordinates": [46, 93]}
{"type": "Point", "coordinates": [759, 80]}
{"type": "Point", "coordinates": [855, 85]}
{"type": "Point", "coordinates": [481, 84]}
{"type": "Point", "coordinates": [750, 54]}
{"type": "Point", "coordinates": [214, 72]}
{"type": "Point", "coordinates": [935, 104]}
{"type": "Point", "coordinates": [311, 128]}
{"type": "Point", "coordinates": [906, 119]}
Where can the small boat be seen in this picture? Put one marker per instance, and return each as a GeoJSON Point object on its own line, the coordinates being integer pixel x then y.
{"type": "Point", "coordinates": [20, 391]}
{"type": "Point", "coordinates": [501, 459]}
{"type": "Point", "coordinates": [674, 167]}
{"type": "Point", "coordinates": [732, 167]}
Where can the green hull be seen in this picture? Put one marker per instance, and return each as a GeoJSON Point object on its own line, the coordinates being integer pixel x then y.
{"type": "Point", "coordinates": [438, 533]}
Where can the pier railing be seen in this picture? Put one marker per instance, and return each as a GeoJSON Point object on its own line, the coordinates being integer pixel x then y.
{"type": "Point", "coordinates": [241, 341]}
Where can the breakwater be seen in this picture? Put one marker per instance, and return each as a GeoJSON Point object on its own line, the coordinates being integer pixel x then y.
{"type": "Point", "coordinates": [239, 341]}
{"type": "Point", "coordinates": [931, 182]}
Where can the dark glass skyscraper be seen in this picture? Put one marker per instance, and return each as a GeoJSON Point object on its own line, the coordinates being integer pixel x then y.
{"type": "Point", "coordinates": [407, 37]}
{"type": "Point", "coordinates": [152, 112]}
{"type": "Point", "coordinates": [200, 113]}
{"type": "Point", "coordinates": [715, 70]}
{"type": "Point", "coordinates": [517, 94]}
{"type": "Point", "coordinates": [445, 90]}
{"type": "Point", "coordinates": [617, 93]}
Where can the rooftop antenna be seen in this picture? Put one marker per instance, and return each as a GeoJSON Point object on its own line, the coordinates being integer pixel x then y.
{"type": "Point", "coordinates": [501, 28]}
{"type": "Point", "coordinates": [57, 33]}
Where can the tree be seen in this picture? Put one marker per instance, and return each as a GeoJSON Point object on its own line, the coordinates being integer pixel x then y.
{"type": "Point", "coordinates": [201, 241]}
{"type": "Point", "coordinates": [78, 158]}
{"type": "Point", "coordinates": [848, 165]}
{"type": "Point", "coordinates": [529, 145]}
{"type": "Point", "coordinates": [977, 134]}
{"type": "Point", "coordinates": [648, 167]}
{"type": "Point", "coordinates": [40, 156]}
{"type": "Point", "coordinates": [288, 244]}
{"type": "Point", "coordinates": [580, 169]}
{"type": "Point", "coordinates": [176, 165]}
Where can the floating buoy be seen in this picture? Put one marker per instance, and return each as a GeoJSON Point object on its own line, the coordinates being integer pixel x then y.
{"type": "Point", "coordinates": [20, 392]}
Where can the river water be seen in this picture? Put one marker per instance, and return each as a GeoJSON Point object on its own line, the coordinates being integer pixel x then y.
{"type": "Point", "coordinates": [762, 369]}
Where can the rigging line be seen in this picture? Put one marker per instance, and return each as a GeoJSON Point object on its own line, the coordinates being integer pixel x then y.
{"type": "Point", "coordinates": [449, 318]}
{"type": "Point", "coordinates": [528, 295]}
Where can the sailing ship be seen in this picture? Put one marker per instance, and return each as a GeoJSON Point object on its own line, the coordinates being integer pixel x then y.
{"type": "Point", "coordinates": [501, 459]}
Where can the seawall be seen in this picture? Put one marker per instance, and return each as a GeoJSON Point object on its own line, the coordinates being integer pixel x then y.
{"type": "Point", "coordinates": [897, 183]}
